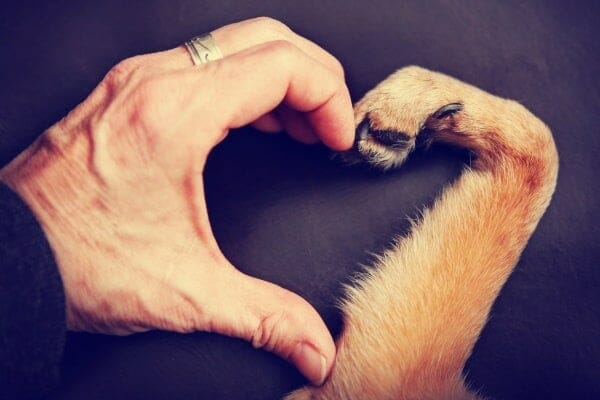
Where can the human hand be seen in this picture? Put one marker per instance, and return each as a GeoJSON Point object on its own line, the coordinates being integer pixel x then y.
{"type": "Point", "coordinates": [117, 186]}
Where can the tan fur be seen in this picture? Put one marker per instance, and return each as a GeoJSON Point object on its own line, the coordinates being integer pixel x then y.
{"type": "Point", "coordinates": [411, 322]}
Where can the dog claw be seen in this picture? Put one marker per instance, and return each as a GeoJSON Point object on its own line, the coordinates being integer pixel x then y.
{"type": "Point", "coordinates": [447, 110]}
{"type": "Point", "coordinates": [362, 130]}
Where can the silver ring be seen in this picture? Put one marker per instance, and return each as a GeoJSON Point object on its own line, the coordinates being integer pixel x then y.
{"type": "Point", "coordinates": [203, 49]}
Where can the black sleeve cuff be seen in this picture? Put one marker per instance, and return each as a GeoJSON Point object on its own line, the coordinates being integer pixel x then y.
{"type": "Point", "coordinates": [32, 304]}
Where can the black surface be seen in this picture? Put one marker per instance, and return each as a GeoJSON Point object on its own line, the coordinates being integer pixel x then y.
{"type": "Point", "coordinates": [287, 213]}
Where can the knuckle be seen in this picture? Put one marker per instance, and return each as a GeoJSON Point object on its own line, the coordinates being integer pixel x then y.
{"type": "Point", "coordinates": [122, 70]}
{"type": "Point", "coordinates": [285, 53]}
{"type": "Point", "coordinates": [147, 104]}
{"type": "Point", "coordinates": [281, 46]}
{"type": "Point", "coordinates": [266, 334]}
{"type": "Point", "coordinates": [277, 28]}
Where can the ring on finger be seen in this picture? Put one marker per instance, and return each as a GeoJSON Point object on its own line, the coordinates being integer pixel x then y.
{"type": "Point", "coordinates": [203, 49]}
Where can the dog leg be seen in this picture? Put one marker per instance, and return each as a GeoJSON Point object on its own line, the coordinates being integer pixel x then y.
{"type": "Point", "coordinates": [411, 322]}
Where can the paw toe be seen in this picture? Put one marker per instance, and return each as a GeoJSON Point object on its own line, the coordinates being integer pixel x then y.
{"type": "Point", "coordinates": [384, 148]}
{"type": "Point", "coordinates": [391, 139]}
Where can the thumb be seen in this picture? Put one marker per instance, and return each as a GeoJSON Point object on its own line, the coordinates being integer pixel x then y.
{"type": "Point", "coordinates": [277, 320]}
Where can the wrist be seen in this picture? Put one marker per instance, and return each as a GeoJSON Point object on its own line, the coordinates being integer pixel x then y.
{"type": "Point", "coordinates": [50, 177]}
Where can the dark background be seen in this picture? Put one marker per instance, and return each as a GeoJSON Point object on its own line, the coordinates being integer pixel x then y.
{"type": "Point", "coordinates": [285, 212]}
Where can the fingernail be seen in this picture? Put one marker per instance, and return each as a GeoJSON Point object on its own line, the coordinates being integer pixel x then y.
{"type": "Point", "coordinates": [310, 362]}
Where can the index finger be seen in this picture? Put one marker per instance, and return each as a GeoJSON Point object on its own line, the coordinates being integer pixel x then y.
{"type": "Point", "coordinates": [242, 35]}
{"type": "Point", "coordinates": [250, 83]}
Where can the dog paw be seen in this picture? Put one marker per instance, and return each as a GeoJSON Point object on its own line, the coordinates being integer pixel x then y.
{"type": "Point", "coordinates": [399, 114]}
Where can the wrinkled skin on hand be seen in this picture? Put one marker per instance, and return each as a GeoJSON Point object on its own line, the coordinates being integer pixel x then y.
{"type": "Point", "coordinates": [118, 188]}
